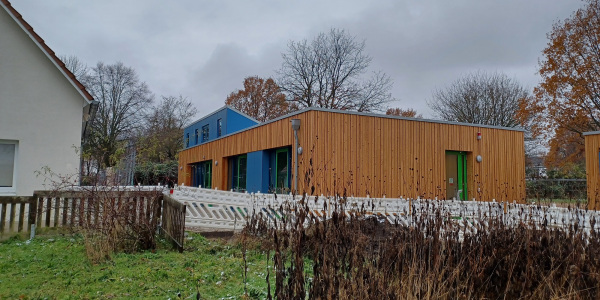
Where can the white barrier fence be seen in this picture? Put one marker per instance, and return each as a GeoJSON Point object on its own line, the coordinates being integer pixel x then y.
{"type": "Point", "coordinates": [215, 210]}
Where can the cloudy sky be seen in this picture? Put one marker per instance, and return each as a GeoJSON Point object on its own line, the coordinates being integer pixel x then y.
{"type": "Point", "coordinates": [203, 50]}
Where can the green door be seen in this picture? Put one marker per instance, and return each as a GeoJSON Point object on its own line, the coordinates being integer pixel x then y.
{"type": "Point", "coordinates": [281, 171]}
{"type": "Point", "coordinates": [207, 174]}
{"type": "Point", "coordinates": [456, 175]}
{"type": "Point", "coordinates": [241, 173]}
{"type": "Point", "coordinates": [202, 174]}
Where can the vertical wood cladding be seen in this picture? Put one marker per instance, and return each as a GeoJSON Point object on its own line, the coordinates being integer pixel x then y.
{"type": "Point", "coordinates": [592, 169]}
{"type": "Point", "coordinates": [364, 155]}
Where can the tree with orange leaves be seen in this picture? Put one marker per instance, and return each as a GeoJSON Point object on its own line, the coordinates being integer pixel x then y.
{"type": "Point", "coordinates": [567, 101]}
{"type": "Point", "coordinates": [260, 99]}
{"type": "Point", "coordinates": [409, 112]}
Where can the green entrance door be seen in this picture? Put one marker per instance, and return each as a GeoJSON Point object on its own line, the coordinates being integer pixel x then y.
{"type": "Point", "coordinates": [456, 175]}
{"type": "Point", "coordinates": [202, 175]}
{"type": "Point", "coordinates": [206, 174]}
{"type": "Point", "coordinates": [240, 173]}
{"type": "Point", "coordinates": [281, 171]}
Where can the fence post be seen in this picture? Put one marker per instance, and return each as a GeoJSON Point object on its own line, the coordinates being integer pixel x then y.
{"type": "Point", "coordinates": [182, 228]}
{"type": "Point", "coordinates": [32, 210]}
{"type": "Point", "coordinates": [21, 216]}
{"type": "Point", "coordinates": [173, 221]}
{"type": "Point", "coordinates": [2, 218]}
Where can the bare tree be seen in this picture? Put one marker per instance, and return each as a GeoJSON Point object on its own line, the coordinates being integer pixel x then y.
{"type": "Point", "coordinates": [328, 72]}
{"type": "Point", "coordinates": [161, 138]}
{"type": "Point", "coordinates": [480, 98]}
{"type": "Point", "coordinates": [261, 99]}
{"type": "Point", "coordinates": [123, 100]}
{"type": "Point", "coordinates": [77, 67]}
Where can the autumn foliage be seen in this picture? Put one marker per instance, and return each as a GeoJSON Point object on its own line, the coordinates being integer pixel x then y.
{"type": "Point", "coordinates": [261, 99]}
{"type": "Point", "coordinates": [567, 101]}
{"type": "Point", "coordinates": [409, 112]}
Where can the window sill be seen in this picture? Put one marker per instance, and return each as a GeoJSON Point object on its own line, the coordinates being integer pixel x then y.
{"type": "Point", "coordinates": [8, 193]}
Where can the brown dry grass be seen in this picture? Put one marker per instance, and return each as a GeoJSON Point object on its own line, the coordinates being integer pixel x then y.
{"type": "Point", "coordinates": [349, 256]}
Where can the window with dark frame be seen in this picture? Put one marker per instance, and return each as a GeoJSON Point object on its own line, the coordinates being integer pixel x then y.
{"type": "Point", "coordinates": [187, 140]}
{"type": "Point", "coordinates": [197, 136]}
{"type": "Point", "coordinates": [205, 133]}
{"type": "Point", "coordinates": [219, 127]}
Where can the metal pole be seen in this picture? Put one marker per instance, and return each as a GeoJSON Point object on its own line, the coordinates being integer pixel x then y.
{"type": "Point", "coordinates": [296, 127]}
{"type": "Point", "coordinates": [296, 161]}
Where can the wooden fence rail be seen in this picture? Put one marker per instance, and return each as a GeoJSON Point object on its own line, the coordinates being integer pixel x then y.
{"type": "Point", "coordinates": [16, 214]}
{"type": "Point", "coordinates": [77, 208]}
{"type": "Point", "coordinates": [86, 208]}
{"type": "Point", "coordinates": [173, 221]}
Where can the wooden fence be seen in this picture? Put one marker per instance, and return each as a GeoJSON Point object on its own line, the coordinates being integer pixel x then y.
{"type": "Point", "coordinates": [16, 214]}
{"type": "Point", "coordinates": [173, 221]}
{"type": "Point", "coordinates": [86, 207]}
{"type": "Point", "coordinates": [78, 208]}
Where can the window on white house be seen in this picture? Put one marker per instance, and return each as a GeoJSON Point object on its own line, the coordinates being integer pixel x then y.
{"type": "Point", "coordinates": [8, 154]}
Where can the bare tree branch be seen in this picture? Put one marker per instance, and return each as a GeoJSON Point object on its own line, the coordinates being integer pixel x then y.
{"type": "Point", "coordinates": [123, 103]}
{"type": "Point", "coordinates": [480, 98]}
{"type": "Point", "coordinates": [327, 72]}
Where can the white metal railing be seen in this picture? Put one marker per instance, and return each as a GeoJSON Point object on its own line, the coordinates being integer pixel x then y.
{"type": "Point", "coordinates": [210, 209]}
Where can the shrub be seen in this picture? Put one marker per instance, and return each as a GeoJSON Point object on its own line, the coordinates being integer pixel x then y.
{"type": "Point", "coordinates": [350, 255]}
{"type": "Point", "coordinates": [111, 220]}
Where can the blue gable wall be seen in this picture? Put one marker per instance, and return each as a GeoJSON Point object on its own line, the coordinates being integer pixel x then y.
{"type": "Point", "coordinates": [232, 121]}
{"type": "Point", "coordinates": [211, 120]}
{"type": "Point", "coordinates": [237, 121]}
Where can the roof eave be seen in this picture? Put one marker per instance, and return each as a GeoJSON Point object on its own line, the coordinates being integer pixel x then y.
{"type": "Point", "coordinates": [60, 65]}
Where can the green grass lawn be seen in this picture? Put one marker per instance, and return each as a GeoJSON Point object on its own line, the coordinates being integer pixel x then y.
{"type": "Point", "coordinates": [56, 267]}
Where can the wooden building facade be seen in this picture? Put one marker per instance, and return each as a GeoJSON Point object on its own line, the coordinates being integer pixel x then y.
{"type": "Point", "coordinates": [350, 153]}
{"type": "Point", "coordinates": [592, 168]}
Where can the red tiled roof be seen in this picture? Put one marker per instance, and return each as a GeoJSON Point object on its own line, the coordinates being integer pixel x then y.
{"type": "Point", "coordinates": [51, 54]}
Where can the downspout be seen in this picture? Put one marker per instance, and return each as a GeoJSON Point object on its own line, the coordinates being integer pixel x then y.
{"type": "Point", "coordinates": [296, 161]}
{"type": "Point", "coordinates": [296, 127]}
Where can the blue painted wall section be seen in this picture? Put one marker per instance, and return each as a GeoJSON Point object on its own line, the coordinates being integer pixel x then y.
{"type": "Point", "coordinates": [237, 121]}
{"type": "Point", "coordinates": [257, 172]}
{"type": "Point", "coordinates": [231, 121]}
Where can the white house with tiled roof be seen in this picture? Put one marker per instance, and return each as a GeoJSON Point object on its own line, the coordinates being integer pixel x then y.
{"type": "Point", "coordinates": [43, 109]}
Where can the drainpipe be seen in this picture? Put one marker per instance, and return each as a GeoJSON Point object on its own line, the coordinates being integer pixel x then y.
{"type": "Point", "coordinates": [296, 127]}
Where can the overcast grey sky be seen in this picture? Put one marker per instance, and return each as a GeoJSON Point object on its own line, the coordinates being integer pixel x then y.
{"type": "Point", "coordinates": [203, 50]}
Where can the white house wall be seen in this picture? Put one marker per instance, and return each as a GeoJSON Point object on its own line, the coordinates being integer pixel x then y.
{"type": "Point", "coordinates": [39, 108]}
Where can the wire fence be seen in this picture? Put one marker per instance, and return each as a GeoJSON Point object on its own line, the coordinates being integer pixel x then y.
{"type": "Point", "coordinates": [557, 191]}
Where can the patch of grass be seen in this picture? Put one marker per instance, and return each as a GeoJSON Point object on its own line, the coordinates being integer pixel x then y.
{"type": "Point", "coordinates": [56, 267]}
{"type": "Point", "coordinates": [562, 202]}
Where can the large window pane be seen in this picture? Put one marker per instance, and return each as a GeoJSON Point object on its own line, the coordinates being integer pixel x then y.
{"type": "Point", "coordinates": [242, 163]}
{"type": "Point", "coordinates": [237, 169]}
{"type": "Point", "coordinates": [202, 174]}
{"type": "Point", "coordinates": [282, 170]}
{"type": "Point", "coordinates": [7, 164]}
